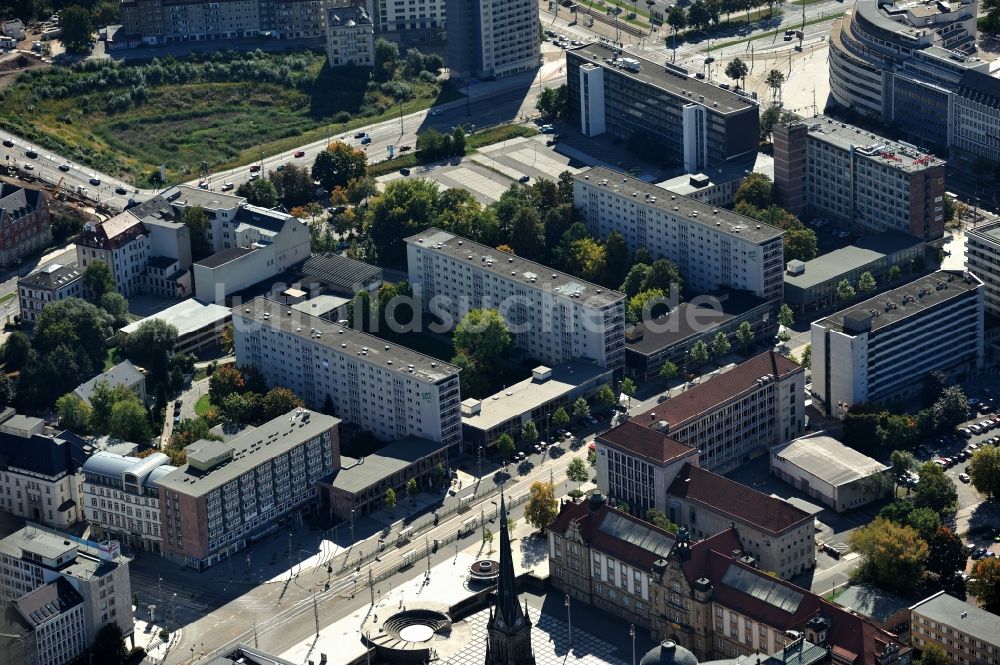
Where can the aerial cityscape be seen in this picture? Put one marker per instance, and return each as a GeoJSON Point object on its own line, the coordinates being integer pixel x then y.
{"type": "Point", "coordinates": [500, 332]}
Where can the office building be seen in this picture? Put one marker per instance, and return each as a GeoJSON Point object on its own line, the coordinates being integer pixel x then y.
{"type": "Point", "coordinates": [383, 388]}
{"type": "Point", "coordinates": [695, 124]}
{"type": "Point", "coordinates": [977, 118]}
{"type": "Point", "coordinates": [965, 632]}
{"type": "Point", "coordinates": [55, 614]}
{"type": "Point", "coordinates": [25, 222]}
{"type": "Point", "coordinates": [712, 247]}
{"type": "Point", "coordinates": [492, 39]}
{"type": "Point", "coordinates": [827, 470]}
{"type": "Point", "coordinates": [812, 285]}
{"type": "Point", "coordinates": [982, 259]}
{"type": "Point", "coordinates": [857, 179]}
{"type": "Point", "coordinates": [124, 374]}
{"type": "Point", "coordinates": [121, 500]}
{"type": "Point", "coordinates": [880, 349]}
{"type": "Point", "coordinates": [710, 597]}
{"type": "Point", "coordinates": [350, 37]}
{"type": "Point", "coordinates": [48, 284]}
{"type": "Point", "coordinates": [737, 414]}
{"type": "Point", "coordinates": [536, 399]}
{"type": "Point", "coordinates": [231, 493]}
{"type": "Point", "coordinates": [199, 325]}
{"type": "Point", "coordinates": [36, 557]}
{"type": "Point", "coordinates": [669, 337]}
{"type": "Point", "coordinates": [553, 317]}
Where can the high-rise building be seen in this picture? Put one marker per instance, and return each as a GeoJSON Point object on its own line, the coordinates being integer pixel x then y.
{"type": "Point", "coordinates": [383, 388]}
{"type": "Point", "coordinates": [857, 179]}
{"type": "Point", "coordinates": [879, 350]}
{"type": "Point", "coordinates": [492, 38]}
{"type": "Point", "coordinates": [712, 247]}
{"type": "Point", "coordinates": [509, 626]}
{"type": "Point", "coordinates": [553, 316]}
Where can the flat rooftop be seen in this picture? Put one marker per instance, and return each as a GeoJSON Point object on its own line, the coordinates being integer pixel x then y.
{"type": "Point", "coordinates": [357, 475]}
{"type": "Point", "coordinates": [897, 155]}
{"type": "Point", "coordinates": [343, 339]}
{"type": "Point", "coordinates": [225, 256]}
{"type": "Point", "coordinates": [493, 260]}
{"type": "Point", "coordinates": [187, 316]}
{"type": "Point", "coordinates": [965, 617]}
{"type": "Point", "coordinates": [531, 393]}
{"type": "Point", "coordinates": [249, 450]}
{"type": "Point", "coordinates": [187, 196]}
{"type": "Point", "coordinates": [336, 270]}
{"type": "Point", "coordinates": [320, 305]}
{"type": "Point", "coordinates": [989, 231]}
{"type": "Point", "coordinates": [693, 90]}
{"type": "Point", "coordinates": [677, 205]}
{"type": "Point", "coordinates": [908, 300]}
{"type": "Point", "coordinates": [828, 459]}
{"type": "Point", "coordinates": [864, 252]}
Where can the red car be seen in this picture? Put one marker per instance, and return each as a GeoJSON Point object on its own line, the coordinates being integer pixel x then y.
{"type": "Point", "coordinates": [300, 153]}
{"type": "Point", "coordinates": [254, 168]}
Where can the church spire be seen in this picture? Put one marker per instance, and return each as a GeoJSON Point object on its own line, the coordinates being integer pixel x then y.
{"type": "Point", "coordinates": [509, 625]}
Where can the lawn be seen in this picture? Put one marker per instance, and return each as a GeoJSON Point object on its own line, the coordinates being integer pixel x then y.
{"type": "Point", "coordinates": [226, 110]}
{"type": "Point", "coordinates": [202, 406]}
{"type": "Point", "coordinates": [472, 143]}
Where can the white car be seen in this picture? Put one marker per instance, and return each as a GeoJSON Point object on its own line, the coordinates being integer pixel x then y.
{"type": "Point", "coordinates": [435, 112]}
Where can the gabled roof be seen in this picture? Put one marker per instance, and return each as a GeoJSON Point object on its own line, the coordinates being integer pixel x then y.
{"type": "Point", "coordinates": [122, 374]}
{"type": "Point", "coordinates": [737, 501]}
{"type": "Point", "coordinates": [645, 442]}
{"type": "Point", "coordinates": [16, 200]}
{"type": "Point", "coordinates": [48, 601]}
{"type": "Point", "coordinates": [263, 218]}
{"type": "Point", "coordinates": [334, 270]}
{"type": "Point", "coordinates": [718, 390]}
{"type": "Point", "coordinates": [42, 454]}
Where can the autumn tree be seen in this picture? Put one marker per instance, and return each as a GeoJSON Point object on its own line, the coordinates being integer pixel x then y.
{"type": "Point", "coordinates": [338, 165]}
{"type": "Point", "coordinates": [984, 470]}
{"type": "Point", "coordinates": [892, 556]}
{"type": "Point", "coordinates": [946, 553]}
{"type": "Point", "coordinates": [542, 505]}
{"type": "Point", "coordinates": [984, 583]}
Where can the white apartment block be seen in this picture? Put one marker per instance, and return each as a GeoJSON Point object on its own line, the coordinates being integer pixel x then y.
{"type": "Point", "coordinates": [35, 556]}
{"type": "Point", "coordinates": [713, 248]}
{"type": "Point", "coordinates": [881, 349]}
{"type": "Point", "coordinates": [982, 259]}
{"type": "Point", "coordinates": [121, 500]}
{"type": "Point", "coordinates": [55, 614]}
{"type": "Point", "coordinates": [553, 316]}
{"type": "Point", "coordinates": [977, 117]}
{"type": "Point", "coordinates": [492, 38]}
{"type": "Point", "coordinates": [350, 37]}
{"type": "Point", "coordinates": [48, 284]}
{"type": "Point", "coordinates": [386, 389]}
{"type": "Point", "coordinates": [408, 17]}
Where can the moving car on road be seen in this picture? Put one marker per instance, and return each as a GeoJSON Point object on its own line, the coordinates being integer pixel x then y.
{"type": "Point", "coordinates": [64, 167]}
{"type": "Point", "coordinates": [300, 153]}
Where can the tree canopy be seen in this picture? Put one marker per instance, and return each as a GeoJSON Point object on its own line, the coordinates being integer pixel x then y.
{"type": "Point", "coordinates": [542, 505]}
{"type": "Point", "coordinates": [151, 346]}
{"type": "Point", "coordinates": [338, 165]}
{"type": "Point", "coordinates": [893, 556]}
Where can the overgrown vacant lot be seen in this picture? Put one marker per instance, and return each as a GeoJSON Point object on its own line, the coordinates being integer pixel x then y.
{"type": "Point", "coordinates": [223, 109]}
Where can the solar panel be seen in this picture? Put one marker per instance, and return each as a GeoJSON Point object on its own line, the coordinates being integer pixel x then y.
{"type": "Point", "coordinates": [762, 588]}
{"type": "Point", "coordinates": [636, 533]}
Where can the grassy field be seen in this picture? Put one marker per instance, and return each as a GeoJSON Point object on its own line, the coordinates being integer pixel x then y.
{"type": "Point", "coordinates": [203, 404]}
{"type": "Point", "coordinates": [226, 111]}
{"type": "Point", "coordinates": [472, 143]}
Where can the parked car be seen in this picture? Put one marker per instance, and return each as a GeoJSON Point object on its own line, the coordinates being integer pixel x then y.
{"type": "Point", "coordinates": [8, 143]}
{"type": "Point", "coordinates": [964, 477]}
{"type": "Point", "coordinates": [254, 168]}
{"type": "Point", "coordinates": [29, 167]}
{"type": "Point", "coordinates": [404, 171]}
{"type": "Point", "coordinates": [120, 190]}
{"type": "Point", "coordinates": [406, 148]}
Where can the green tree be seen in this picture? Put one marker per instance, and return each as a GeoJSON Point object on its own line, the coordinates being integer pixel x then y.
{"type": "Point", "coordinates": [903, 462]}
{"type": "Point", "coordinates": [952, 408]}
{"type": "Point", "coordinates": [542, 505]}
{"type": "Point", "coordinates": [440, 474]}
{"type": "Point", "coordinates": [77, 30]}
{"type": "Point", "coordinates": [866, 282]}
{"type": "Point", "coordinates": [560, 418]}
{"type": "Point", "coordinates": [338, 165]}
{"type": "Point", "coordinates": [577, 471]}
{"type": "Point", "coordinates": [412, 489]}
{"type": "Point", "coordinates": [553, 102]}
{"type": "Point", "coordinates": [984, 583]}
{"type": "Point", "coordinates": [386, 59]}
{"type": "Point", "coordinates": [259, 192]}
{"type": "Point", "coordinates": [605, 397]}
{"type": "Point", "coordinates": [663, 275]}
{"type": "Point", "coordinates": [505, 445]}
{"type": "Point", "coordinates": [628, 387]}
{"type": "Point", "coordinates": [775, 79]}
{"type": "Point", "coordinates": [786, 316]}
{"type": "Point", "coordinates": [668, 370]}
{"type": "Point", "coordinates": [677, 20]}
{"type": "Point", "coordinates": [645, 305]}
{"type": "Point", "coordinates": [488, 538]}
{"type": "Point", "coordinates": [277, 402]}
{"type": "Point", "coordinates": [484, 333]}
{"type": "Point", "coordinates": [109, 643]}
{"type": "Point", "coordinates": [74, 413]}
{"type": "Point", "coordinates": [130, 422]}
{"type": "Point", "coordinates": [945, 553]}
{"type": "Point", "coordinates": [580, 409]}
{"type": "Point", "coordinates": [151, 346]}
{"type": "Point", "coordinates": [844, 291]}
{"type": "Point", "coordinates": [658, 519]}
{"type": "Point", "coordinates": [116, 306]}
{"type": "Point", "coordinates": [390, 498]}
{"type": "Point", "coordinates": [737, 70]}
{"type": "Point", "coordinates": [932, 654]}
{"type": "Point", "coordinates": [984, 470]}
{"type": "Point", "coordinates": [807, 354]}
{"type": "Point", "coordinates": [294, 185]}
{"type": "Point", "coordinates": [102, 403]}
{"type": "Point", "coordinates": [935, 490]}
{"type": "Point", "coordinates": [16, 351]}
{"type": "Point", "coordinates": [406, 206]}
{"type": "Point", "coordinates": [589, 259]}
{"type": "Point", "coordinates": [756, 190]}
{"type": "Point", "coordinates": [720, 345]}
{"type": "Point", "coordinates": [529, 433]}
{"type": "Point", "coordinates": [225, 381]}
{"type": "Point", "coordinates": [196, 220]}
{"type": "Point", "coordinates": [892, 556]}
{"type": "Point", "coordinates": [8, 391]}
{"type": "Point", "coordinates": [894, 273]}
{"type": "Point", "coordinates": [699, 353]}
{"type": "Point", "coordinates": [635, 278]}
{"type": "Point", "coordinates": [698, 15]}
{"type": "Point", "coordinates": [800, 244]}
{"type": "Point", "coordinates": [744, 334]}
{"type": "Point", "coordinates": [97, 280]}
{"type": "Point", "coordinates": [241, 408]}
{"type": "Point", "coordinates": [458, 141]}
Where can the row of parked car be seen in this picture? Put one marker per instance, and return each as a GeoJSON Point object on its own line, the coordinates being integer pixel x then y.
{"type": "Point", "coordinates": [982, 427]}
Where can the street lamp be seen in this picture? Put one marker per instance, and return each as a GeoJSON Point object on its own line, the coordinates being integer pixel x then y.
{"type": "Point", "coordinates": [569, 625]}
{"type": "Point", "coordinates": [631, 632]}
{"type": "Point", "coordinates": [352, 526]}
{"type": "Point", "coordinates": [480, 461]}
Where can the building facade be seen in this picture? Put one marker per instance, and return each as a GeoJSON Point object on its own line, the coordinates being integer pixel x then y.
{"type": "Point", "coordinates": [738, 414]}
{"type": "Point", "coordinates": [713, 248]}
{"type": "Point", "coordinates": [695, 124]}
{"type": "Point", "coordinates": [858, 180]}
{"type": "Point", "coordinates": [48, 284]}
{"type": "Point", "coordinates": [881, 349]}
{"type": "Point", "coordinates": [232, 493]}
{"type": "Point", "coordinates": [553, 316]}
{"type": "Point", "coordinates": [421, 20]}
{"type": "Point", "coordinates": [492, 39]}
{"type": "Point", "coordinates": [966, 633]}
{"type": "Point", "coordinates": [55, 613]}
{"type": "Point", "coordinates": [121, 500]}
{"type": "Point", "coordinates": [982, 259]}
{"type": "Point", "coordinates": [350, 37]}
{"type": "Point", "coordinates": [388, 390]}
{"type": "Point", "coordinates": [25, 222]}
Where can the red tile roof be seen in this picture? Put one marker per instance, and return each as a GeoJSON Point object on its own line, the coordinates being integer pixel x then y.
{"type": "Point", "coordinates": [736, 500]}
{"type": "Point", "coordinates": [112, 233]}
{"type": "Point", "coordinates": [645, 442]}
{"type": "Point", "coordinates": [718, 390]}
{"type": "Point", "coordinates": [590, 521]}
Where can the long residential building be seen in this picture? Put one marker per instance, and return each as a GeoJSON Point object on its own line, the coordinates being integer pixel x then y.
{"type": "Point", "coordinates": [492, 39]}
{"type": "Point", "coordinates": [982, 258]}
{"type": "Point", "coordinates": [710, 596]}
{"type": "Point", "coordinates": [386, 389]}
{"type": "Point", "coordinates": [713, 248]}
{"type": "Point", "coordinates": [25, 222]}
{"type": "Point", "coordinates": [697, 124]}
{"type": "Point", "coordinates": [857, 179]}
{"type": "Point", "coordinates": [879, 350]}
{"type": "Point", "coordinates": [553, 316]}
{"type": "Point", "coordinates": [967, 633]}
{"type": "Point", "coordinates": [231, 493]}
{"type": "Point", "coordinates": [736, 415]}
